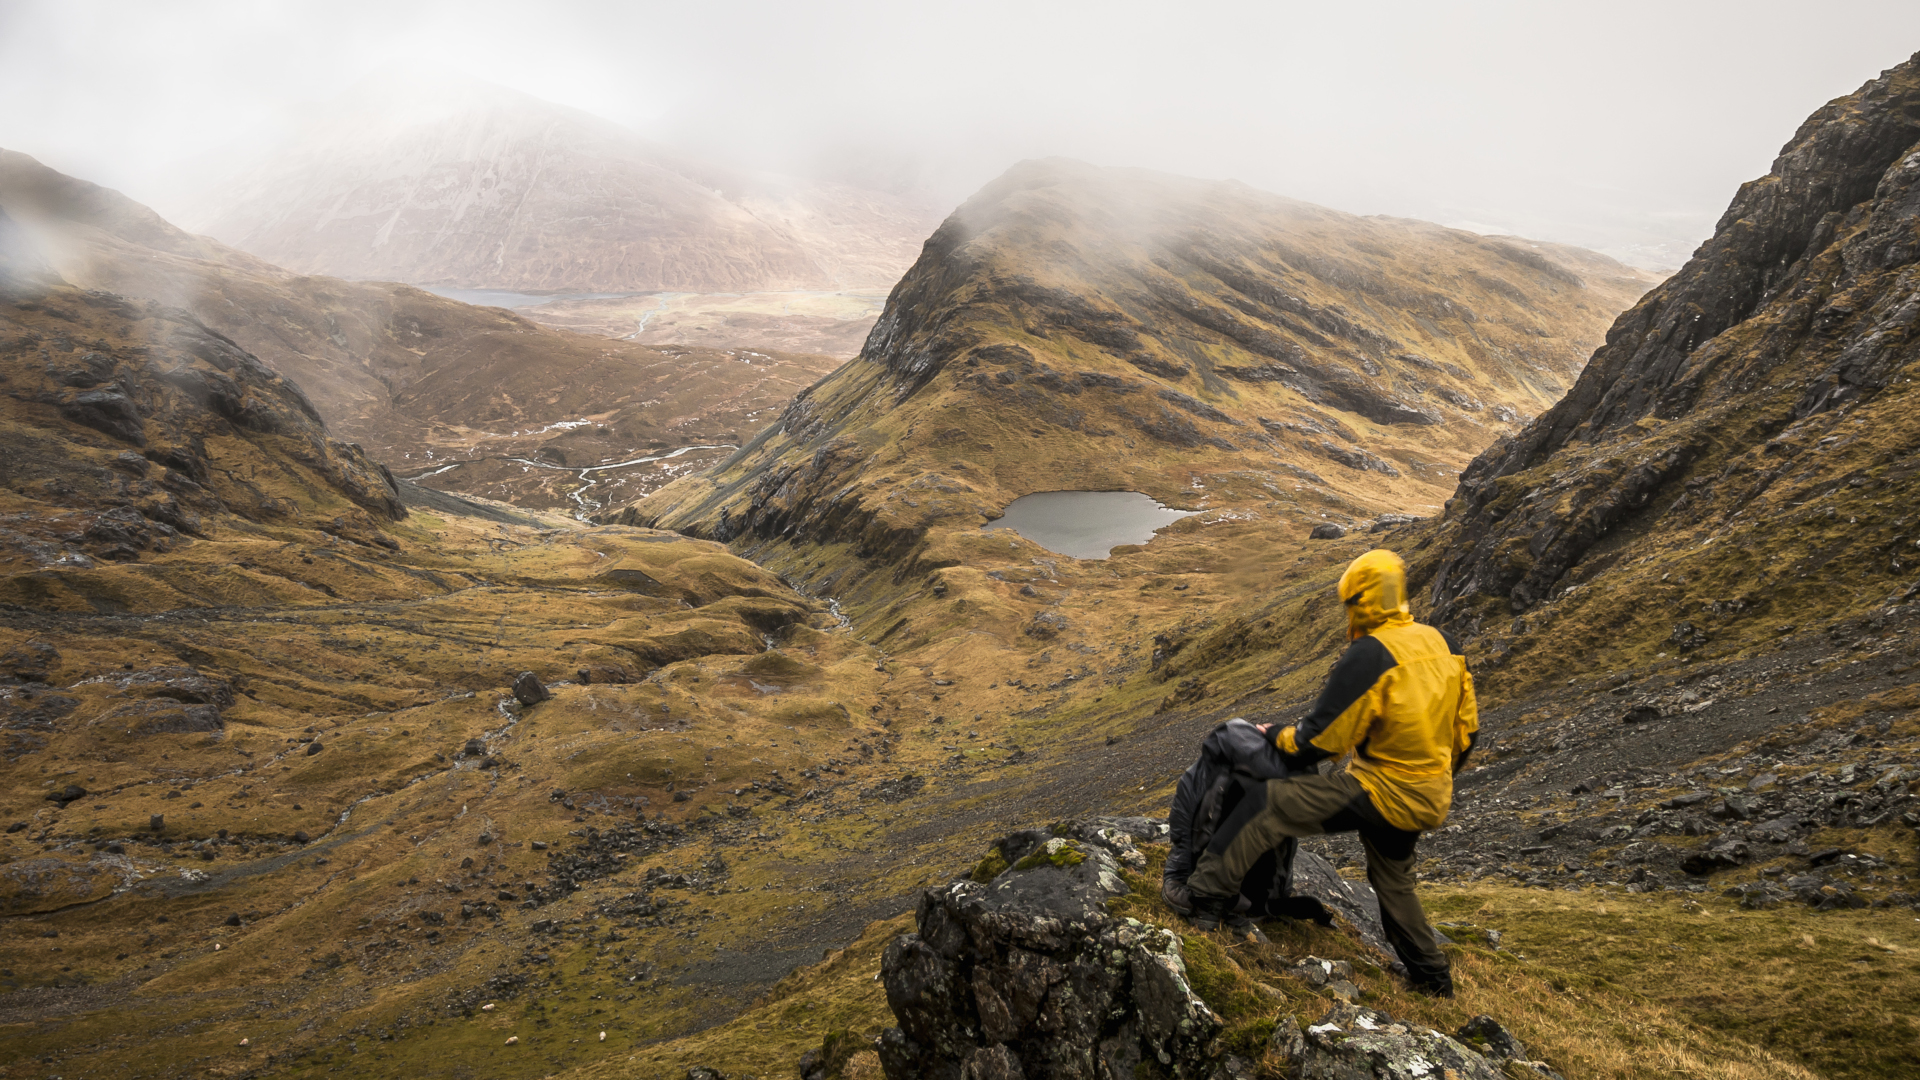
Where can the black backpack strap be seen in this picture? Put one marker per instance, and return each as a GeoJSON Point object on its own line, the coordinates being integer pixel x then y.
{"type": "Point", "coordinates": [1252, 798]}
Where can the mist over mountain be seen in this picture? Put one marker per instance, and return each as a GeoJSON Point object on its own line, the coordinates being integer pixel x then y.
{"type": "Point", "coordinates": [1078, 327]}
{"type": "Point", "coordinates": [467, 394]}
{"type": "Point", "coordinates": [462, 183]}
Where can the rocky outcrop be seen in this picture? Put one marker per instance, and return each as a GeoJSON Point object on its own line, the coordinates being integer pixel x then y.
{"type": "Point", "coordinates": [529, 690]}
{"type": "Point", "coordinates": [1724, 381]}
{"type": "Point", "coordinates": [1019, 971]}
{"type": "Point", "coordinates": [141, 421]}
{"type": "Point", "coordinates": [1354, 1043]}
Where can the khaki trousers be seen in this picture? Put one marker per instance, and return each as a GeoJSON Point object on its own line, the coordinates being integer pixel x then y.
{"type": "Point", "coordinates": [1312, 805]}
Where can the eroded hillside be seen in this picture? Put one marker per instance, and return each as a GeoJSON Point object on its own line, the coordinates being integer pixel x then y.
{"type": "Point", "coordinates": [462, 398]}
{"type": "Point", "coordinates": [1105, 329]}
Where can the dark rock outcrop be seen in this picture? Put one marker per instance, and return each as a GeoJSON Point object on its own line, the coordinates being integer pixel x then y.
{"type": "Point", "coordinates": [1723, 379]}
{"type": "Point", "coordinates": [1019, 970]}
{"type": "Point", "coordinates": [1352, 1043]}
{"type": "Point", "coordinates": [1351, 902]}
{"type": "Point", "coordinates": [1024, 974]}
{"type": "Point", "coordinates": [1492, 1039]}
{"type": "Point", "coordinates": [145, 420]}
{"type": "Point", "coordinates": [529, 690]}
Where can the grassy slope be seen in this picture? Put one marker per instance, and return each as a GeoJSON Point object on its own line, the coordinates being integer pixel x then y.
{"type": "Point", "coordinates": [968, 394]}
{"type": "Point", "coordinates": [1598, 983]}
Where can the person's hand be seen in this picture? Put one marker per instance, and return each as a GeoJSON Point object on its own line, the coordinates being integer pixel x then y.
{"type": "Point", "coordinates": [1263, 729]}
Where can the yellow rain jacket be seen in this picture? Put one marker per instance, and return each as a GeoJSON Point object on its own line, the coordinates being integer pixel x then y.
{"type": "Point", "coordinates": [1401, 697]}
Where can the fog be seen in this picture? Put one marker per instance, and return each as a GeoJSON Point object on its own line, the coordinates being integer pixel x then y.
{"type": "Point", "coordinates": [1624, 126]}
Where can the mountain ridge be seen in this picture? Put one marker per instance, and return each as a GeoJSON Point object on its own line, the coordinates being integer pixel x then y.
{"type": "Point", "coordinates": [383, 362]}
{"type": "Point", "coordinates": [1716, 399]}
{"type": "Point", "coordinates": [1060, 263]}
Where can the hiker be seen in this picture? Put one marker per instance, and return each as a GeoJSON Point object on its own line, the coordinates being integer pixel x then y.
{"type": "Point", "coordinates": [1207, 794]}
{"type": "Point", "coordinates": [1401, 699]}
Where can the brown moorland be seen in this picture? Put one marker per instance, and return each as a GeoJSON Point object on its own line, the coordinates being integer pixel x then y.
{"type": "Point", "coordinates": [889, 750]}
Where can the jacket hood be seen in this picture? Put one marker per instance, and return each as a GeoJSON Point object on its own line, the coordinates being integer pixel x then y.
{"type": "Point", "coordinates": [1374, 588]}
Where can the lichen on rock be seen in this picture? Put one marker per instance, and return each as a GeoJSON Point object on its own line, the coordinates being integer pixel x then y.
{"type": "Point", "coordinates": [1027, 975]}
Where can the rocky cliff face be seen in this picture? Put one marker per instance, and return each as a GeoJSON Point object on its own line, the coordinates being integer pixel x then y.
{"type": "Point", "coordinates": [481, 186]}
{"type": "Point", "coordinates": [128, 426]}
{"type": "Point", "coordinates": [1081, 327]}
{"type": "Point", "coordinates": [1751, 412]}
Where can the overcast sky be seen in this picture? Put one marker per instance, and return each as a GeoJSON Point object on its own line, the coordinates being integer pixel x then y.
{"type": "Point", "coordinates": [1625, 125]}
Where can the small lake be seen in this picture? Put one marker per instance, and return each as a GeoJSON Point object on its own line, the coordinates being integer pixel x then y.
{"type": "Point", "coordinates": [1087, 524]}
{"type": "Point", "coordinates": [502, 298]}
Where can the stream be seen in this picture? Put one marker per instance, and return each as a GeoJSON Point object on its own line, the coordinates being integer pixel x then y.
{"type": "Point", "coordinates": [579, 497]}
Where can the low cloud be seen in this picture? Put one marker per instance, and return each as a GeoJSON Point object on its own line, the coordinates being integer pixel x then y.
{"type": "Point", "coordinates": [1625, 126]}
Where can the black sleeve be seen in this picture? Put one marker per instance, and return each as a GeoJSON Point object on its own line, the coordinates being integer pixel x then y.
{"type": "Point", "coordinates": [1353, 675]}
{"type": "Point", "coordinates": [1460, 762]}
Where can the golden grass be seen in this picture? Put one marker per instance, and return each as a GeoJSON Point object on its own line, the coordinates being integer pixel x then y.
{"type": "Point", "coordinates": [1580, 1021]}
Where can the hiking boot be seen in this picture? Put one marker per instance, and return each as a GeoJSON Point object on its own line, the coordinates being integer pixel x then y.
{"type": "Point", "coordinates": [1214, 912]}
{"type": "Point", "coordinates": [1208, 912]}
{"type": "Point", "coordinates": [1176, 895]}
{"type": "Point", "coordinates": [1441, 987]}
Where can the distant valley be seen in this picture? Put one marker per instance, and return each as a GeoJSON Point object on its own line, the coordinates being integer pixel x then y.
{"type": "Point", "coordinates": [424, 382]}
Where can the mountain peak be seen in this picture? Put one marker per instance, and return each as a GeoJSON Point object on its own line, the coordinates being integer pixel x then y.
{"type": "Point", "coordinates": [1088, 328]}
{"type": "Point", "coordinates": [464, 183]}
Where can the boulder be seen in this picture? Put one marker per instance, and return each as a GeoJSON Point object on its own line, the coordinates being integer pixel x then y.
{"type": "Point", "coordinates": [1721, 856]}
{"type": "Point", "coordinates": [1025, 975]}
{"type": "Point", "coordinates": [529, 690]}
{"type": "Point", "coordinates": [1488, 1036]}
{"type": "Point", "coordinates": [1018, 972]}
{"type": "Point", "coordinates": [1329, 531]}
{"type": "Point", "coordinates": [1047, 624]}
{"type": "Point", "coordinates": [1352, 1043]}
{"type": "Point", "coordinates": [1317, 973]}
{"type": "Point", "coordinates": [1393, 521]}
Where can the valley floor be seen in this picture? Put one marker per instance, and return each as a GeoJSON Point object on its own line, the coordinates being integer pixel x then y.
{"type": "Point", "coordinates": [828, 780]}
